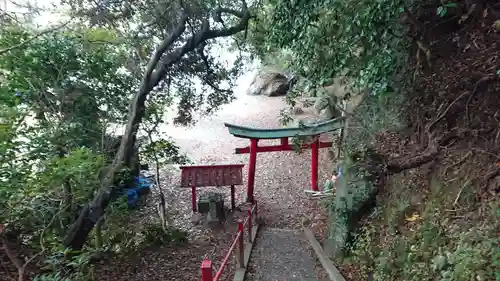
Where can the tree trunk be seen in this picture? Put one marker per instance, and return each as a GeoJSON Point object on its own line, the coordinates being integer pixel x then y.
{"type": "Point", "coordinates": [91, 213]}
{"type": "Point", "coordinates": [164, 58]}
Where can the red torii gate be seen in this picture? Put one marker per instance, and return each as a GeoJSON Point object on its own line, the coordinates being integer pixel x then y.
{"type": "Point", "coordinates": [283, 134]}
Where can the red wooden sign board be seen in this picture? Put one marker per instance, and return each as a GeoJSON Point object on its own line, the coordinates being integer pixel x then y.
{"type": "Point", "coordinates": [213, 175]}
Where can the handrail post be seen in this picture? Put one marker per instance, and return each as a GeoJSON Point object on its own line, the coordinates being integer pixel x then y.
{"type": "Point", "coordinates": [241, 245]}
{"type": "Point", "coordinates": [256, 213]}
{"type": "Point", "coordinates": [193, 198]}
{"type": "Point", "coordinates": [233, 197]}
{"type": "Point", "coordinates": [206, 270]}
{"type": "Point", "coordinates": [250, 222]}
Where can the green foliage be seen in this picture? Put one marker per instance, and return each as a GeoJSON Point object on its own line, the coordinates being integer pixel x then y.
{"type": "Point", "coordinates": [67, 266]}
{"type": "Point", "coordinates": [442, 10]}
{"type": "Point", "coordinates": [361, 42]}
{"type": "Point", "coordinates": [154, 234]}
{"type": "Point", "coordinates": [375, 114]}
{"type": "Point", "coordinates": [58, 96]}
{"type": "Point", "coordinates": [200, 81]}
{"type": "Point", "coordinates": [364, 42]}
{"type": "Point", "coordinates": [60, 73]}
{"type": "Point", "coordinates": [166, 151]}
{"type": "Point", "coordinates": [357, 39]}
{"type": "Point", "coordinates": [62, 92]}
{"type": "Point", "coordinates": [433, 247]}
{"type": "Point", "coordinates": [51, 277]}
{"type": "Point", "coordinates": [354, 189]}
{"type": "Point", "coordinates": [53, 93]}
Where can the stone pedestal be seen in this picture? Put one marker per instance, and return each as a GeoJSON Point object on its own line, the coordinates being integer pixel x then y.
{"type": "Point", "coordinates": [213, 204]}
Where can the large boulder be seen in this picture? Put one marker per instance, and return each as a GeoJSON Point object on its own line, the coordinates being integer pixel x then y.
{"type": "Point", "coordinates": [270, 84]}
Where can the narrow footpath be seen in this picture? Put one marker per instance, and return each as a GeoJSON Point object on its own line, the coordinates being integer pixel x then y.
{"type": "Point", "coordinates": [283, 255]}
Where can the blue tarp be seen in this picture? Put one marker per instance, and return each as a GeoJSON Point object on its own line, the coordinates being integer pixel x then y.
{"type": "Point", "coordinates": [142, 186]}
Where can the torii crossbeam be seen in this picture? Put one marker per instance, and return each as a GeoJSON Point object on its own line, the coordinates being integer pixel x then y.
{"type": "Point", "coordinates": [283, 134]}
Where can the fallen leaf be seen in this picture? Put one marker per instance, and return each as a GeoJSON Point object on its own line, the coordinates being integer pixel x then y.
{"type": "Point", "coordinates": [414, 217]}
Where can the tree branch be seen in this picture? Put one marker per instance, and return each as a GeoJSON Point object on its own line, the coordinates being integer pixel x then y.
{"type": "Point", "coordinates": [433, 149]}
{"type": "Point", "coordinates": [162, 48]}
{"type": "Point", "coordinates": [433, 145]}
{"type": "Point", "coordinates": [198, 38]}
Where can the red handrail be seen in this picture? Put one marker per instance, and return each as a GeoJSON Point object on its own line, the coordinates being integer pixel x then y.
{"type": "Point", "coordinates": [252, 210]}
{"type": "Point", "coordinates": [226, 258]}
{"type": "Point", "coordinates": [206, 266]}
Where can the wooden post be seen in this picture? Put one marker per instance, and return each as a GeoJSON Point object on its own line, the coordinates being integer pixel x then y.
{"type": "Point", "coordinates": [256, 214]}
{"type": "Point", "coordinates": [233, 199]}
{"type": "Point", "coordinates": [284, 142]}
{"type": "Point", "coordinates": [314, 164]}
{"type": "Point", "coordinates": [193, 198]}
{"type": "Point", "coordinates": [250, 222]}
{"type": "Point", "coordinates": [251, 169]}
{"type": "Point", "coordinates": [241, 245]}
{"type": "Point", "coordinates": [206, 270]}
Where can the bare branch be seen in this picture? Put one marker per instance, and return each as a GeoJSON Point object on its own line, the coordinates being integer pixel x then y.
{"type": "Point", "coordinates": [165, 44]}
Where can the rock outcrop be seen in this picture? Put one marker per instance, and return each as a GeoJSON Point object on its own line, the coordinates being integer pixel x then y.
{"type": "Point", "coordinates": [323, 103]}
{"type": "Point", "coordinates": [270, 84]}
{"type": "Point", "coordinates": [336, 93]}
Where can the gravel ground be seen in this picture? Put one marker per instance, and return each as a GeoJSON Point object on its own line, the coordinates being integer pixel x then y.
{"type": "Point", "coordinates": [279, 189]}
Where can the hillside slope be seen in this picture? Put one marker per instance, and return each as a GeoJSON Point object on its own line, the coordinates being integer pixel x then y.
{"type": "Point", "coordinates": [438, 213]}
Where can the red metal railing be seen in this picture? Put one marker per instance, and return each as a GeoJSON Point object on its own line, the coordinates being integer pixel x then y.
{"type": "Point", "coordinates": [206, 265]}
